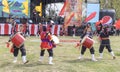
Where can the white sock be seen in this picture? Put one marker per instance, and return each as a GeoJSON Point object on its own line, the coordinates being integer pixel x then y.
{"type": "Point", "coordinates": [93, 57]}
{"type": "Point", "coordinates": [15, 60]}
{"type": "Point", "coordinates": [41, 58]}
{"type": "Point", "coordinates": [50, 60]}
{"type": "Point", "coordinates": [101, 55]}
{"type": "Point", "coordinates": [81, 56]}
{"type": "Point", "coordinates": [24, 59]}
{"type": "Point", "coordinates": [112, 53]}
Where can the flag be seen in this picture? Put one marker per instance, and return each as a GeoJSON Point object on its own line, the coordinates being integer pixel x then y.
{"type": "Point", "coordinates": [63, 8]}
{"type": "Point", "coordinates": [25, 4]}
{"type": "Point", "coordinates": [68, 19]}
{"type": "Point", "coordinates": [5, 3]}
{"type": "Point", "coordinates": [5, 9]}
{"type": "Point", "coordinates": [5, 6]}
{"type": "Point", "coordinates": [117, 24]}
{"type": "Point", "coordinates": [91, 16]}
{"type": "Point", "coordinates": [39, 9]}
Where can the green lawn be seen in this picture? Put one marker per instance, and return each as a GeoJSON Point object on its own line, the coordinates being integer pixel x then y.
{"type": "Point", "coordinates": [65, 57]}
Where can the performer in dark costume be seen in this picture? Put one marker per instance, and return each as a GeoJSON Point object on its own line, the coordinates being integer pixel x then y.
{"type": "Point", "coordinates": [99, 28]}
{"type": "Point", "coordinates": [87, 32]}
{"type": "Point", "coordinates": [105, 41]}
{"type": "Point", "coordinates": [21, 48]}
{"type": "Point", "coordinates": [46, 43]}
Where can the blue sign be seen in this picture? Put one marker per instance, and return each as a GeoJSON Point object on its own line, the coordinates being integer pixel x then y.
{"type": "Point", "coordinates": [93, 8]}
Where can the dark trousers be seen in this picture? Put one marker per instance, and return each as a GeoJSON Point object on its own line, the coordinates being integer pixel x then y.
{"type": "Point", "coordinates": [105, 43]}
{"type": "Point", "coordinates": [27, 31]}
{"type": "Point", "coordinates": [22, 50]}
{"type": "Point", "coordinates": [50, 51]}
{"type": "Point", "coordinates": [83, 49]}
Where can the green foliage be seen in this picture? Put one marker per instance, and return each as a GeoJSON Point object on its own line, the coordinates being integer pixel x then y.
{"type": "Point", "coordinates": [112, 4]}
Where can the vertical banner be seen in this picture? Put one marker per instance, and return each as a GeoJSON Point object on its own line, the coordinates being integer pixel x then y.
{"type": "Point", "coordinates": [73, 13]}
{"type": "Point", "coordinates": [5, 6]}
{"type": "Point", "coordinates": [91, 8]}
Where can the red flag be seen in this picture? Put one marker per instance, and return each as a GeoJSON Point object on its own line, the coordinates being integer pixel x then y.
{"type": "Point", "coordinates": [91, 16]}
{"type": "Point", "coordinates": [63, 8]}
{"type": "Point", "coordinates": [117, 24]}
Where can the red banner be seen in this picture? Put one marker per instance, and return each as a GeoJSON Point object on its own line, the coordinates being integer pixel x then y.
{"type": "Point", "coordinates": [117, 24]}
{"type": "Point", "coordinates": [91, 16]}
{"type": "Point", "coordinates": [63, 8]}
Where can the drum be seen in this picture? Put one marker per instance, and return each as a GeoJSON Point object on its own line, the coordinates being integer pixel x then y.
{"type": "Point", "coordinates": [17, 40]}
{"type": "Point", "coordinates": [87, 42]}
{"type": "Point", "coordinates": [55, 39]}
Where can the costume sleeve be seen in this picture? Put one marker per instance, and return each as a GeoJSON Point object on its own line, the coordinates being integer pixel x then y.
{"type": "Point", "coordinates": [111, 32]}
{"type": "Point", "coordinates": [82, 36]}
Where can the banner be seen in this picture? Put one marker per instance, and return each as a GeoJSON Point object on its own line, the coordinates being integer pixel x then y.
{"type": "Point", "coordinates": [63, 8]}
{"type": "Point", "coordinates": [73, 9]}
{"type": "Point", "coordinates": [15, 9]}
{"type": "Point", "coordinates": [91, 16]}
{"type": "Point", "coordinates": [39, 9]}
{"type": "Point", "coordinates": [117, 24]}
{"type": "Point", "coordinates": [5, 6]}
{"type": "Point", "coordinates": [25, 5]}
{"type": "Point", "coordinates": [93, 8]}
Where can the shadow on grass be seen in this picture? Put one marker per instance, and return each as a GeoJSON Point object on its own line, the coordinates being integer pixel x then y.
{"type": "Point", "coordinates": [77, 60]}
{"type": "Point", "coordinates": [5, 64]}
{"type": "Point", "coordinates": [31, 64]}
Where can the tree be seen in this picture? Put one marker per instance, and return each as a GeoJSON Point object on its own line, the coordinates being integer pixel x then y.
{"type": "Point", "coordinates": [111, 4]}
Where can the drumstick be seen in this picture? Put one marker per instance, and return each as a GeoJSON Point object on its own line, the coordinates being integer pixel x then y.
{"type": "Point", "coordinates": [58, 44]}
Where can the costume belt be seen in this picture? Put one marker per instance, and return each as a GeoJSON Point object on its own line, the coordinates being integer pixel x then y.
{"type": "Point", "coordinates": [105, 38]}
{"type": "Point", "coordinates": [45, 40]}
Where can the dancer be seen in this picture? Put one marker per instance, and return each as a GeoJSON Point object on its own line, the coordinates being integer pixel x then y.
{"type": "Point", "coordinates": [105, 42]}
{"type": "Point", "coordinates": [46, 44]}
{"type": "Point", "coordinates": [87, 32]}
{"type": "Point", "coordinates": [21, 48]}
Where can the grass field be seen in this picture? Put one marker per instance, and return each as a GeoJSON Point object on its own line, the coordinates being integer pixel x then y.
{"type": "Point", "coordinates": [65, 57]}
